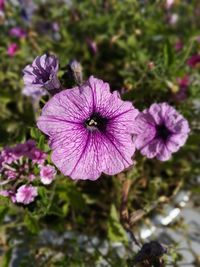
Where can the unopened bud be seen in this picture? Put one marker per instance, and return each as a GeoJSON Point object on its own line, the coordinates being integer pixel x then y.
{"type": "Point", "coordinates": [76, 70]}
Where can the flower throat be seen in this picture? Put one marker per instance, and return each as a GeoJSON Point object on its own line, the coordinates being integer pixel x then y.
{"type": "Point", "coordinates": [163, 132]}
{"type": "Point", "coordinates": [96, 121]}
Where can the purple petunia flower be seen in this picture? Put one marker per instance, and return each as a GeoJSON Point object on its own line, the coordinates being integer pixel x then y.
{"type": "Point", "coordinates": [26, 194]}
{"type": "Point", "coordinates": [90, 130]}
{"type": "Point", "coordinates": [47, 174]}
{"type": "Point", "coordinates": [160, 131]}
{"type": "Point", "coordinates": [42, 74]}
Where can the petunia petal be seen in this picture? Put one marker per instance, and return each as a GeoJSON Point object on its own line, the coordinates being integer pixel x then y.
{"type": "Point", "coordinates": [89, 154]}
{"type": "Point", "coordinates": [163, 152]}
{"type": "Point", "coordinates": [176, 141]}
{"type": "Point", "coordinates": [69, 105]}
{"type": "Point", "coordinates": [107, 104]}
{"type": "Point", "coordinates": [151, 149]}
{"type": "Point", "coordinates": [143, 129]}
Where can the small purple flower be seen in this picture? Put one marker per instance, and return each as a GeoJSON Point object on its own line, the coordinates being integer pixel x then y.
{"type": "Point", "coordinates": [17, 32]}
{"type": "Point", "coordinates": [7, 156]}
{"type": "Point", "coordinates": [22, 149]}
{"type": "Point", "coordinates": [12, 49]}
{"type": "Point", "coordinates": [32, 152]}
{"type": "Point", "coordinates": [194, 60]}
{"type": "Point", "coordinates": [42, 73]}
{"type": "Point", "coordinates": [89, 130]}
{"type": "Point", "coordinates": [160, 131]}
{"type": "Point", "coordinates": [47, 174]}
{"type": "Point", "coordinates": [26, 194]}
{"type": "Point", "coordinates": [37, 156]}
{"type": "Point", "coordinates": [11, 174]}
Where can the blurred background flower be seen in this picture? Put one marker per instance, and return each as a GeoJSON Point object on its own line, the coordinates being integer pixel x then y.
{"type": "Point", "coordinates": [12, 49]}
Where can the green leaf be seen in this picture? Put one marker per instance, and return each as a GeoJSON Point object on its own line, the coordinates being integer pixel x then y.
{"type": "Point", "coordinates": [65, 209]}
{"type": "Point", "coordinates": [31, 223]}
{"type": "Point", "coordinates": [76, 198]}
{"type": "Point", "coordinates": [41, 144]}
{"type": "Point", "coordinates": [6, 258]}
{"type": "Point", "coordinates": [115, 230]}
{"type": "Point", "coordinates": [168, 54]}
{"type": "Point", "coordinates": [35, 133]}
{"type": "Point", "coordinates": [3, 211]}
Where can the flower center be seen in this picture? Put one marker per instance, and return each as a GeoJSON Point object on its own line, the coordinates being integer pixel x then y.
{"type": "Point", "coordinates": [163, 132]}
{"type": "Point", "coordinates": [96, 121]}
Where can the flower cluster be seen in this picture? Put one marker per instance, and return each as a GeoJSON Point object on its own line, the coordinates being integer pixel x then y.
{"type": "Point", "coordinates": [19, 168]}
{"type": "Point", "coordinates": [93, 131]}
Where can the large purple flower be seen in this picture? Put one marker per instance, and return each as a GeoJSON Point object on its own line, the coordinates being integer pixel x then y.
{"type": "Point", "coordinates": [42, 73]}
{"type": "Point", "coordinates": [160, 131]}
{"type": "Point", "coordinates": [90, 130]}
